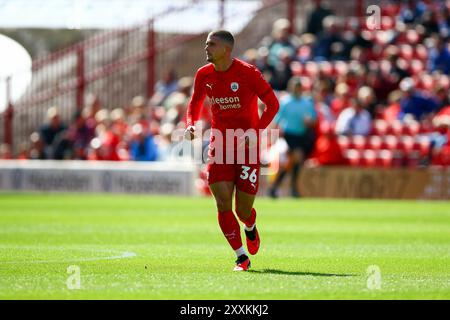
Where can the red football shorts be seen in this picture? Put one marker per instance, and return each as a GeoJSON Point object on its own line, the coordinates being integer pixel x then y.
{"type": "Point", "coordinates": [244, 176]}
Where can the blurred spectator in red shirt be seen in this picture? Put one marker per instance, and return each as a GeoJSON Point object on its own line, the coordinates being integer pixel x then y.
{"type": "Point", "coordinates": [326, 150]}
{"type": "Point", "coordinates": [341, 100]}
{"type": "Point", "coordinates": [390, 113]}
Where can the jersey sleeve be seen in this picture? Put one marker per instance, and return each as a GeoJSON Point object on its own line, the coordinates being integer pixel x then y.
{"type": "Point", "coordinates": [196, 102]}
{"type": "Point", "coordinates": [264, 92]}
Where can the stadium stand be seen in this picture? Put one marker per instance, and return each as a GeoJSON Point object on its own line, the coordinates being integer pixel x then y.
{"type": "Point", "coordinates": [398, 76]}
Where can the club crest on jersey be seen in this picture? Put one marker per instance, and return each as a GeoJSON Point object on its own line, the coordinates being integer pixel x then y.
{"type": "Point", "coordinates": [234, 86]}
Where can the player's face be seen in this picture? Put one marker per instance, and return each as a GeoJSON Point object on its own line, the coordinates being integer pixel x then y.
{"type": "Point", "coordinates": [215, 49]}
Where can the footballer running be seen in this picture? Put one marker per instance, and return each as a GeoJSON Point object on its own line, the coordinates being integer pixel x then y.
{"type": "Point", "coordinates": [233, 87]}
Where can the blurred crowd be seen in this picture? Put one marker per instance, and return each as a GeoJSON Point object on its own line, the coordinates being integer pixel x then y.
{"type": "Point", "coordinates": [368, 87]}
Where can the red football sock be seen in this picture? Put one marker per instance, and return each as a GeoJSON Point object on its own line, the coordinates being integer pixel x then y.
{"type": "Point", "coordinates": [230, 228]}
{"type": "Point", "coordinates": [251, 220]}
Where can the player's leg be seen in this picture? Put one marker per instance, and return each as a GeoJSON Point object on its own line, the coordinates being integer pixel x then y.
{"type": "Point", "coordinates": [223, 194]}
{"type": "Point", "coordinates": [247, 214]}
{"type": "Point", "coordinates": [247, 182]}
{"type": "Point", "coordinates": [297, 160]}
{"type": "Point", "coordinates": [282, 172]}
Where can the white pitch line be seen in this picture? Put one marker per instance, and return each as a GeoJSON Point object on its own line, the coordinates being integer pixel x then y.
{"type": "Point", "coordinates": [123, 255]}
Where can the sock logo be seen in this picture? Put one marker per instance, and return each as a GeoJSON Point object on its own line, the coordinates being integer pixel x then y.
{"type": "Point", "coordinates": [231, 235]}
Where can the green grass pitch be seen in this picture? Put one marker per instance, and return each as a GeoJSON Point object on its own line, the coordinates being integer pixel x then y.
{"type": "Point", "coordinates": [150, 247]}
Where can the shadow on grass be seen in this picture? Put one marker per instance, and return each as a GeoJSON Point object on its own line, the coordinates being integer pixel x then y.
{"type": "Point", "coordinates": [300, 273]}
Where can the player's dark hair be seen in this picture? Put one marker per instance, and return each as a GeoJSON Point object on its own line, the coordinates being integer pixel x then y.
{"type": "Point", "coordinates": [224, 35]}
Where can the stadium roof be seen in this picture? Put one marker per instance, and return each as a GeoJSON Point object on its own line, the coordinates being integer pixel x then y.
{"type": "Point", "coordinates": [106, 14]}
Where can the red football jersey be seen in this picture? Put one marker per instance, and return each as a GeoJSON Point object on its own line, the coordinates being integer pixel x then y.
{"type": "Point", "coordinates": [234, 97]}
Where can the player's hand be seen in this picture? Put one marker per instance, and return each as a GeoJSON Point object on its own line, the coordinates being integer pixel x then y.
{"type": "Point", "coordinates": [189, 133]}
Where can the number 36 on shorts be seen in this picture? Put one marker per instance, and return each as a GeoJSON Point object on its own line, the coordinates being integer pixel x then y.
{"type": "Point", "coordinates": [252, 175]}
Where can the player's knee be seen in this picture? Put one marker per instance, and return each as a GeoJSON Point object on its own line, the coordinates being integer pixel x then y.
{"type": "Point", "coordinates": [243, 212]}
{"type": "Point", "coordinates": [223, 204]}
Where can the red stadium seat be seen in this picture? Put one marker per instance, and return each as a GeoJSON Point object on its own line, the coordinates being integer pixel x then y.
{"type": "Point", "coordinates": [426, 82]}
{"type": "Point", "coordinates": [421, 52]}
{"type": "Point", "coordinates": [413, 159]}
{"type": "Point", "coordinates": [442, 157]}
{"type": "Point", "coordinates": [423, 145]}
{"type": "Point", "coordinates": [297, 68]}
{"type": "Point", "coordinates": [375, 142]}
{"type": "Point", "coordinates": [359, 142]}
{"type": "Point", "coordinates": [387, 23]}
{"type": "Point", "coordinates": [412, 36]}
{"type": "Point", "coordinates": [406, 51]}
{"type": "Point", "coordinates": [391, 142]}
{"type": "Point", "coordinates": [380, 127]}
{"type": "Point", "coordinates": [416, 67]}
{"type": "Point", "coordinates": [341, 68]}
{"type": "Point", "coordinates": [369, 158]}
{"type": "Point", "coordinates": [444, 81]}
{"type": "Point", "coordinates": [344, 142]}
{"type": "Point", "coordinates": [412, 127]}
{"type": "Point", "coordinates": [385, 158]}
{"type": "Point", "coordinates": [397, 127]}
{"type": "Point", "coordinates": [406, 144]}
{"type": "Point", "coordinates": [311, 68]}
{"type": "Point", "coordinates": [382, 37]}
{"type": "Point", "coordinates": [385, 66]}
{"type": "Point", "coordinates": [353, 157]}
{"type": "Point", "coordinates": [326, 68]}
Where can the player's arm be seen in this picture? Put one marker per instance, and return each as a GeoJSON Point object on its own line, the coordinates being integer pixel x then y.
{"type": "Point", "coordinates": [194, 106]}
{"type": "Point", "coordinates": [265, 92]}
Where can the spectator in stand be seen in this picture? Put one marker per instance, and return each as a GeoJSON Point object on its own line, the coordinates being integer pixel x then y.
{"type": "Point", "coordinates": [119, 125]}
{"type": "Point", "coordinates": [305, 49]}
{"type": "Point", "coordinates": [326, 149]}
{"type": "Point", "coordinates": [354, 120]}
{"type": "Point", "coordinates": [51, 132]}
{"type": "Point", "coordinates": [251, 56]}
{"type": "Point", "coordinates": [142, 146]}
{"type": "Point", "coordinates": [440, 138]}
{"type": "Point", "coordinates": [36, 151]}
{"type": "Point", "coordinates": [322, 98]}
{"type": "Point", "coordinates": [442, 96]}
{"type": "Point", "coordinates": [164, 142]}
{"type": "Point", "coordinates": [296, 120]}
{"type": "Point", "coordinates": [366, 98]}
{"type": "Point", "coordinates": [439, 55]}
{"type": "Point", "coordinates": [281, 40]}
{"type": "Point", "coordinates": [341, 100]}
{"type": "Point", "coordinates": [79, 136]}
{"type": "Point", "coordinates": [430, 22]}
{"type": "Point", "coordinates": [321, 11]}
{"type": "Point", "coordinates": [390, 113]}
{"type": "Point", "coordinates": [353, 80]}
{"type": "Point", "coordinates": [329, 44]}
{"type": "Point", "coordinates": [412, 11]}
{"type": "Point", "coordinates": [108, 140]}
{"type": "Point", "coordinates": [164, 87]}
{"type": "Point", "coordinates": [176, 100]}
{"type": "Point", "coordinates": [382, 83]}
{"type": "Point", "coordinates": [415, 103]}
{"type": "Point", "coordinates": [263, 64]}
{"type": "Point", "coordinates": [281, 72]}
